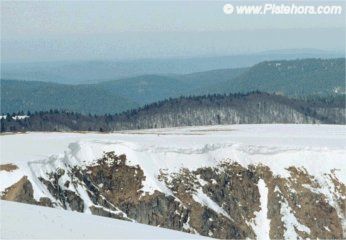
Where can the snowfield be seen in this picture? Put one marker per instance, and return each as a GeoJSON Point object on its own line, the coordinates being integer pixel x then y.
{"type": "Point", "coordinates": [23, 221]}
{"type": "Point", "coordinates": [316, 148]}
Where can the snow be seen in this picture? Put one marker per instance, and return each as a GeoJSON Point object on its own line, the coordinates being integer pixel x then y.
{"type": "Point", "coordinates": [319, 149]}
{"type": "Point", "coordinates": [9, 178]}
{"type": "Point", "coordinates": [187, 226]}
{"type": "Point", "coordinates": [18, 117]}
{"type": "Point", "coordinates": [204, 200]}
{"type": "Point", "coordinates": [261, 224]}
{"type": "Point", "coordinates": [290, 222]}
{"type": "Point", "coordinates": [201, 181]}
{"type": "Point", "coordinates": [28, 221]}
{"type": "Point", "coordinates": [327, 188]}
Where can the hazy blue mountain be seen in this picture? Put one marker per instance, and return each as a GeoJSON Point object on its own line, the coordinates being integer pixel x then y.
{"type": "Point", "coordinates": [296, 78]}
{"type": "Point", "coordinates": [292, 78]}
{"type": "Point", "coordinates": [151, 88]}
{"type": "Point", "coordinates": [200, 82]}
{"type": "Point", "coordinates": [78, 72]}
{"type": "Point", "coordinates": [145, 89]}
{"type": "Point", "coordinates": [106, 97]}
{"type": "Point", "coordinates": [38, 96]}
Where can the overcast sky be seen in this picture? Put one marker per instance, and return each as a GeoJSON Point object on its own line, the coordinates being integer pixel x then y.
{"type": "Point", "coordinates": [69, 30]}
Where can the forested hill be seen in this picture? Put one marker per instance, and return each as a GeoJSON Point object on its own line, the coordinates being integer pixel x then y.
{"type": "Point", "coordinates": [300, 77]}
{"type": "Point", "coordinates": [295, 78]}
{"type": "Point", "coordinates": [251, 108]}
{"type": "Point", "coordinates": [291, 78]}
{"type": "Point", "coordinates": [43, 96]}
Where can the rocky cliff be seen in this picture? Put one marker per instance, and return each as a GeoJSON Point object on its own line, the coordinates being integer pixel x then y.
{"type": "Point", "coordinates": [228, 199]}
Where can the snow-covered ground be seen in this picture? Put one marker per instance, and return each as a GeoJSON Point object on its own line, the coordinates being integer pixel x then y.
{"type": "Point", "coordinates": [18, 117]}
{"type": "Point", "coordinates": [317, 148]}
{"type": "Point", "coordinates": [23, 221]}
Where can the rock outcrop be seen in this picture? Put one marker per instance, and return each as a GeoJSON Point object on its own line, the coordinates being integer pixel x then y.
{"type": "Point", "coordinates": [22, 191]}
{"type": "Point", "coordinates": [221, 202]}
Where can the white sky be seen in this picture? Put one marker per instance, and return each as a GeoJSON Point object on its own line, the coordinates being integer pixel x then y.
{"type": "Point", "coordinates": [58, 30]}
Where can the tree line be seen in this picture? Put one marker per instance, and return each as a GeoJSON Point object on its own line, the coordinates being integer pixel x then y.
{"type": "Point", "coordinates": [249, 108]}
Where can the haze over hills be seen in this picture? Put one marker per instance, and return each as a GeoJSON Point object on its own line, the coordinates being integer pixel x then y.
{"type": "Point", "coordinates": [106, 97]}
{"type": "Point", "coordinates": [79, 72]}
{"type": "Point", "coordinates": [151, 88]}
{"type": "Point", "coordinates": [288, 77]}
{"type": "Point", "coordinates": [40, 96]}
{"type": "Point", "coordinates": [297, 78]}
{"type": "Point", "coordinates": [292, 78]}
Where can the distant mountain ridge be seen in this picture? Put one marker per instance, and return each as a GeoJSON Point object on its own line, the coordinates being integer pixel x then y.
{"type": "Point", "coordinates": [86, 72]}
{"type": "Point", "coordinates": [152, 88]}
{"type": "Point", "coordinates": [294, 78]}
{"type": "Point", "coordinates": [41, 96]}
{"type": "Point", "coordinates": [291, 77]}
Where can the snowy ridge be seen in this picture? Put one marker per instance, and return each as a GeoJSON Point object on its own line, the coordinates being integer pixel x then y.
{"type": "Point", "coordinates": [155, 153]}
{"type": "Point", "coordinates": [316, 161]}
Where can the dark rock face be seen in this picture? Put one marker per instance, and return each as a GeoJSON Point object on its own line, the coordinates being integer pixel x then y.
{"type": "Point", "coordinates": [204, 220]}
{"type": "Point", "coordinates": [46, 202]}
{"type": "Point", "coordinates": [106, 213]}
{"type": "Point", "coordinates": [157, 210]}
{"type": "Point", "coordinates": [64, 196]}
{"type": "Point", "coordinates": [120, 185]}
{"type": "Point", "coordinates": [219, 202]}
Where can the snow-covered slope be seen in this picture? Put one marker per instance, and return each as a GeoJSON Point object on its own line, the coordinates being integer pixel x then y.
{"type": "Point", "coordinates": [318, 148]}
{"type": "Point", "coordinates": [23, 221]}
{"type": "Point", "coordinates": [222, 181]}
